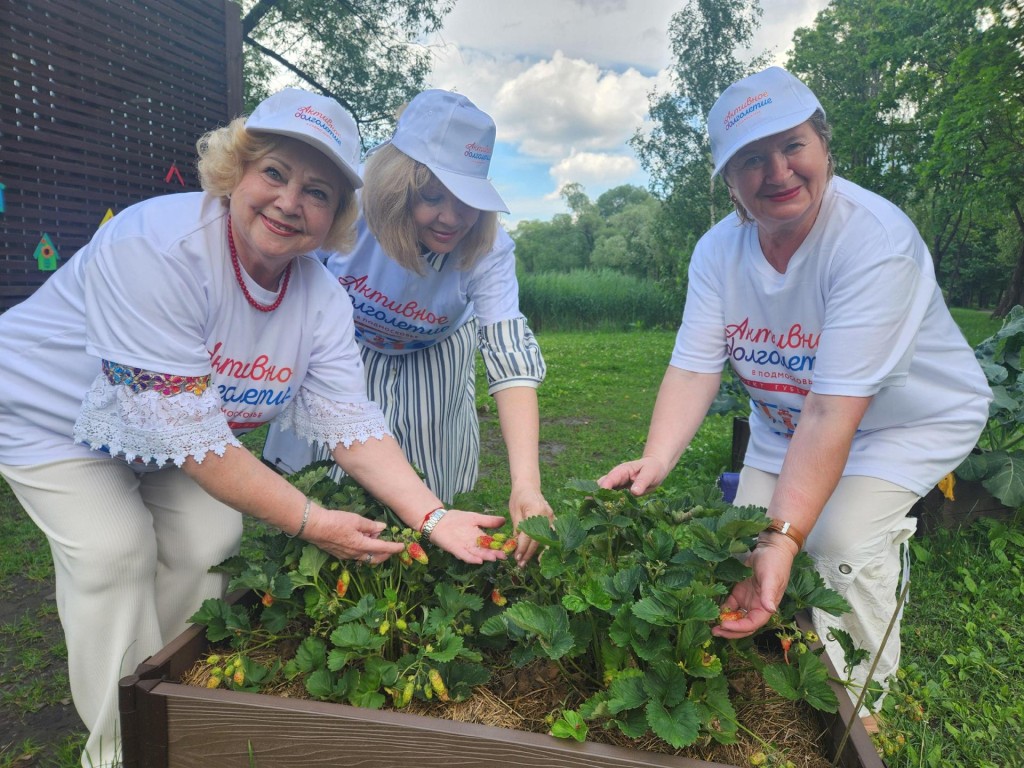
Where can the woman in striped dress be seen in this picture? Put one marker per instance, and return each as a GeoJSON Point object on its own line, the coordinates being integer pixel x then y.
{"type": "Point", "coordinates": [431, 279]}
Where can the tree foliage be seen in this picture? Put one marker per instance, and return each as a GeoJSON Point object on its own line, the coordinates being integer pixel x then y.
{"type": "Point", "coordinates": [618, 231]}
{"type": "Point", "coordinates": [361, 52]}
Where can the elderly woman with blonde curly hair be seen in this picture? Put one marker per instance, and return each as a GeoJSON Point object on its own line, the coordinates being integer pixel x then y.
{"type": "Point", "coordinates": [185, 322]}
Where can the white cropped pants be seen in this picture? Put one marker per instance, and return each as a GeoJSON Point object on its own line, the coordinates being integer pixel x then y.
{"type": "Point", "coordinates": [859, 546]}
{"type": "Point", "coordinates": [131, 556]}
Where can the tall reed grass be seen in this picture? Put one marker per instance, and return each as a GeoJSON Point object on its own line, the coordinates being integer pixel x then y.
{"type": "Point", "coordinates": [596, 300]}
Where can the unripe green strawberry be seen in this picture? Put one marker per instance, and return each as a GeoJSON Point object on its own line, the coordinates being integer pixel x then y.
{"type": "Point", "coordinates": [410, 686]}
{"type": "Point", "coordinates": [438, 685]}
{"type": "Point", "coordinates": [401, 625]}
{"type": "Point", "coordinates": [500, 537]}
{"type": "Point", "coordinates": [495, 544]}
{"type": "Point", "coordinates": [384, 627]}
{"type": "Point", "coordinates": [213, 682]}
{"type": "Point", "coordinates": [213, 658]}
{"type": "Point", "coordinates": [416, 550]}
{"type": "Point", "coordinates": [405, 557]}
{"type": "Point", "coordinates": [229, 670]}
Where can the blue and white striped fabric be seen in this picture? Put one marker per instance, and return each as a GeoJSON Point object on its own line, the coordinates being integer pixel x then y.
{"type": "Point", "coordinates": [429, 397]}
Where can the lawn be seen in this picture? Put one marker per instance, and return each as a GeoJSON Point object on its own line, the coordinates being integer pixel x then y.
{"type": "Point", "coordinates": [958, 701]}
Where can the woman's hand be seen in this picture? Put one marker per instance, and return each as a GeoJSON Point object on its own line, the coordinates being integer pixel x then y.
{"type": "Point", "coordinates": [758, 597]}
{"type": "Point", "coordinates": [459, 532]}
{"type": "Point", "coordinates": [640, 475]}
{"type": "Point", "coordinates": [524, 503]}
{"type": "Point", "coordinates": [347, 535]}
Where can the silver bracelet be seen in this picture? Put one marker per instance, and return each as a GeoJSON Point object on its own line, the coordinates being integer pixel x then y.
{"type": "Point", "coordinates": [305, 519]}
{"type": "Point", "coordinates": [432, 521]}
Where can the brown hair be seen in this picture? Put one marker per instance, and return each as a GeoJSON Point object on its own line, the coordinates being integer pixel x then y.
{"type": "Point", "coordinates": [393, 182]}
{"type": "Point", "coordinates": [824, 131]}
{"type": "Point", "coordinates": [226, 153]}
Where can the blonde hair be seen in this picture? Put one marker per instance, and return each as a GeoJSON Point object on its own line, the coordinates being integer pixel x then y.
{"type": "Point", "coordinates": [392, 184]}
{"type": "Point", "coordinates": [824, 131]}
{"type": "Point", "coordinates": [226, 153]}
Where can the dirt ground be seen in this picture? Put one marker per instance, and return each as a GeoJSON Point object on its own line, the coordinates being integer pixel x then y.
{"type": "Point", "coordinates": [49, 724]}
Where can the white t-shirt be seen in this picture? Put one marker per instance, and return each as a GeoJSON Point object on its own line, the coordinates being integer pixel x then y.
{"type": "Point", "coordinates": [858, 313]}
{"type": "Point", "coordinates": [398, 311]}
{"type": "Point", "coordinates": [155, 290]}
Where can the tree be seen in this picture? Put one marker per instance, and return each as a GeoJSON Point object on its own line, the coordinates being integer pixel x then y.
{"type": "Point", "coordinates": [926, 98]}
{"type": "Point", "coordinates": [550, 246]}
{"type": "Point", "coordinates": [360, 52]}
{"type": "Point", "coordinates": [980, 132]}
{"type": "Point", "coordinates": [705, 37]}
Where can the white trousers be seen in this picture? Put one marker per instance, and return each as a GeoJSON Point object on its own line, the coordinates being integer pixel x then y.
{"type": "Point", "coordinates": [131, 556]}
{"type": "Point", "coordinates": [859, 546]}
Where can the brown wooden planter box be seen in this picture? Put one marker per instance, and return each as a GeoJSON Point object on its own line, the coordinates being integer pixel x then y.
{"type": "Point", "coordinates": [165, 724]}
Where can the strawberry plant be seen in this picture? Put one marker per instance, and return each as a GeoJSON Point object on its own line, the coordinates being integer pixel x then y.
{"type": "Point", "coordinates": [621, 600]}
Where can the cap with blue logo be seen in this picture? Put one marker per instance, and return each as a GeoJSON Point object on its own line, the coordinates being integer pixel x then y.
{"type": "Point", "coordinates": [454, 139]}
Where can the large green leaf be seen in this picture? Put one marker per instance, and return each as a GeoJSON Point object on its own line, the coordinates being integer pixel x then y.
{"type": "Point", "coordinates": [807, 680]}
{"type": "Point", "coordinates": [627, 691]}
{"type": "Point", "coordinates": [679, 725]}
{"type": "Point", "coordinates": [548, 624]}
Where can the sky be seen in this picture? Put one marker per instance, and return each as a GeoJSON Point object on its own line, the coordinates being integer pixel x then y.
{"type": "Point", "coordinates": [567, 83]}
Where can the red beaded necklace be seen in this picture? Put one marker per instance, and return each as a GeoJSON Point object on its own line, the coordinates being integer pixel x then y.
{"type": "Point", "coordinates": [241, 283]}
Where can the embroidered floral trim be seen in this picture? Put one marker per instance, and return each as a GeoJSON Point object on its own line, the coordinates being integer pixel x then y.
{"type": "Point", "coordinates": [317, 419]}
{"type": "Point", "coordinates": [140, 380]}
{"type": "Point", "coordinates": [146, 426]}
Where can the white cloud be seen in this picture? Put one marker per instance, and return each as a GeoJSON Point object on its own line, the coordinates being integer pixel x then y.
{"type": "Point", "coordinates": [567, 82]}
{"type": "Point", "coordinates": [594, 171]}
{"type": "Point", "coordinates": [562, 104]}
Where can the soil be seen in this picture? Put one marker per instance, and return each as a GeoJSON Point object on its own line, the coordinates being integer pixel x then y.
{"type": "Point", "coordinates": [48, 724]}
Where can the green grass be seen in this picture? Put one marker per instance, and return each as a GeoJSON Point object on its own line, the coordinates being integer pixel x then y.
{"type": "Point", "coordinates": [976, 324]}
{"type": "Point", "coordinates": [958, 702]}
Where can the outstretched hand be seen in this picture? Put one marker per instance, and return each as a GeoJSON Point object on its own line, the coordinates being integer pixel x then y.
{"type": "Point", "coordinates": [347, 535]}
{"type": "Point", "coordinates": [758, 596]}
{"type": "Point", "coordinates": [521, 505]}
{"type": "Point", "coordinates": [639, 475]}
{"type": "Point", "coordinates": [458, 532]}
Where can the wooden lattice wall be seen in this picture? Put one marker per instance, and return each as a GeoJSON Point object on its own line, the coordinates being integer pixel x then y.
{"type": "Point", "coordinates": [101, 103]}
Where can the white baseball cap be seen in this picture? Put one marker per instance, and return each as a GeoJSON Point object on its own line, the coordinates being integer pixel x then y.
{"type": "Point", "coordinates": [452, 137]}
{"type": "Point", "coordinates": [763, 104]}
{"type": "Point", "coordinates": [316, 120]}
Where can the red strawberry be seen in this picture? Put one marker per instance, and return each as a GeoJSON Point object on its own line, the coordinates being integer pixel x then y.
{"type": "Point", "coordinates": [498, 599]}
{"type": "Point", "coordinates": [786, 643]}
{"type": "Point", "coordinates": [342, 586]}
{"type": "Point", "coordinates": [417, 553]}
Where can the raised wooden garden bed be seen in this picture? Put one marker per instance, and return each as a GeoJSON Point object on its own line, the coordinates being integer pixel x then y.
{"type": "Point", "coordinates": [167, 724]}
